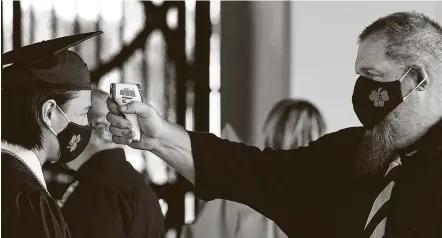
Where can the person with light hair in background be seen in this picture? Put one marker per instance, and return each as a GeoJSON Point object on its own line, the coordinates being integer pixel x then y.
{"type": "Point", "coordinates": [290, 124]}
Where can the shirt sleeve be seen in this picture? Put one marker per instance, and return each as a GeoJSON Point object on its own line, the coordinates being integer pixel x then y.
{"type": "Point", "coordinates": [271, 182]}
{"type": "Point", "coordinates": [33, 214]}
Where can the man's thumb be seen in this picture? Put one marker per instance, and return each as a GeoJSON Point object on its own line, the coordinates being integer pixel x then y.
{"type": "Point", "coordinates": [138, 108]}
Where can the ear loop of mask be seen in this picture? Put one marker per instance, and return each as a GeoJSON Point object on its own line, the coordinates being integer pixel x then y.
{"type": "Point", "coordinates": [62, 113]}
{"type": "Point", "coordinates": [421, 82]}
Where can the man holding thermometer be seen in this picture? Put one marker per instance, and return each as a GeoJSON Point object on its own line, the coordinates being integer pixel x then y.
{"type": "Point", "coordinates": [380, 180]}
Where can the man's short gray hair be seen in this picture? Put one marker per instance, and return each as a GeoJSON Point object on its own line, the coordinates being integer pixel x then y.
{"type": "Point", "coordinates": [410, 37]}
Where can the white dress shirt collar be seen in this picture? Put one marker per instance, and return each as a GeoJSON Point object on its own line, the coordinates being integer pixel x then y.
{"type": "Point", "coordinates": [29, 158]}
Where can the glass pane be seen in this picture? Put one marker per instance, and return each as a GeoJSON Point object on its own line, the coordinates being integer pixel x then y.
{"type": "Point", "coordinates": [111, 11]}
{"type": "Point", "coordinates": [133, 67]}
{"type": "Point", "coordinates": [157, 2]}
{"type": "Point", "coordinates": [190, 102]}
{"type": "Point", "coordinates": [88, 48]}
{"type": "Point", "coordinates": [135, 158]}
{"type": "Point", "coordinates": [110, 23]}
{"type": "Point", "coordinates": [171, 233]}
{"type": "Point", "coordinates": [134, 20]}
{"type": "Point", "coordinates": [65, 13]}
{"type": "Point", "coordinates": [156, 168]}
{"type": "Point", "coordinates": [25, 22]}
{"type": "Point", "coordinates": [112, 77]}
{"type": "Point", "coordinates": [215, 113]}
{"type": "Point", "coordinates": [214, 70]}
{"type": "Point", "coordinates": [190, 29]}
{"type": "Point", "coordinates": [88, 10]}
{"type": "Point", "coordinates": [7, 25]}
{"type": "Point", "coordinates": [42, 11]}
{"type": "Point", "coordinates": [170, 92]}
{"type": "Point", "coordinates": [189, 208]}
{"type": "Point", "coordinates": [164, 206]}
{"type": "Point", "coordinates": [172, 18]}
{"type": "Point", "coordinates": [215, 11]}
{"type": "Point", "coordinates": [155, 50]}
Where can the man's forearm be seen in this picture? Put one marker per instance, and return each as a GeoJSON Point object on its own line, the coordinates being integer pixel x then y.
{"type": "Point", "coordinates": [176, 150]}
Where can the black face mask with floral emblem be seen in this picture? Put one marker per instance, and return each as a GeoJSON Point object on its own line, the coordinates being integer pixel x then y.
{"type": "Point", "coordinates": [72, 140]}
{"type": "Point", "coordinates": [373, 100]}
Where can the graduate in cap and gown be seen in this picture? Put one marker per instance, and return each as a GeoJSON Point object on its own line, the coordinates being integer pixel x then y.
{"type": "Point", "coordinates": [46, 95]}
{"type": "Point", "coordinates": [108, 197]}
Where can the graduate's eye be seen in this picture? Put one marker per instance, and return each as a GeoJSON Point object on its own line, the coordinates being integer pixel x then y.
{"type": "Point", "coordinates": [86, 111]}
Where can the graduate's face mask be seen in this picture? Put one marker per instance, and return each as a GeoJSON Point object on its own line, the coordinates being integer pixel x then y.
{"type": "Point", "coordinates": [373, 100]}
{"type": "Point", "coordinates": [73, 139]}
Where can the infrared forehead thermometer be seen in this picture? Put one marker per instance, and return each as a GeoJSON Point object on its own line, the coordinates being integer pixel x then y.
{"type": "Point", "coordinates": [124, 93]}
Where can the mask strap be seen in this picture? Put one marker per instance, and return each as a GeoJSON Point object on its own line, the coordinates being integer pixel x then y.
{"type": "Point", "coordinates": [406, 73]}
{"type": "Point", "coordinates": [62, 113]}
{"type": "Point", "coordinates": [423, 80]}
{"type": "Point", "coordinates": [52, 130]}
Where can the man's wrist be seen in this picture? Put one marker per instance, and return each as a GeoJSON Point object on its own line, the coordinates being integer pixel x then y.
{"type": "Point", "coordinates": [170, 136]}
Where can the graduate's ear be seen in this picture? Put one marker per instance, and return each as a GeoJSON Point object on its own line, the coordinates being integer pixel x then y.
{"type": "Point", "coordinates": [48, 110]}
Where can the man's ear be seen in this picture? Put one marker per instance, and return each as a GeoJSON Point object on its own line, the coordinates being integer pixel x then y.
{"type": "Point", "coordinates": [47, 111]}
{"type": "Point", "coordinates": [422, 78]}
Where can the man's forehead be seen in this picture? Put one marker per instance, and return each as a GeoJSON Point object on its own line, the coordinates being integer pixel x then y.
{"type": "Point", "coordinates": [371, 55]}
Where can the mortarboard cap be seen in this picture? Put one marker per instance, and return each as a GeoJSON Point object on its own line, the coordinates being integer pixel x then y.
{"type": "Point", "coordinates": [47, 65]}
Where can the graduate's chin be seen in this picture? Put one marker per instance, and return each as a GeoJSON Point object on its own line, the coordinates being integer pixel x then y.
{"type": "Point", "coordinates": [375, 151]}
{"type": "Point", "coordinates": [52, 159]}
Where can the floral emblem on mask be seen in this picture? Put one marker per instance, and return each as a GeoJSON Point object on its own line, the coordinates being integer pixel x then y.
{"type": "Point", "coordinates": [73, 142]}
{"type": "Point", "coordinates": [379, 97]}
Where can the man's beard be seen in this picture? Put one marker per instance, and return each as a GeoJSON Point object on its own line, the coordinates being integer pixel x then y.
{"type": "Point", "coordinates": [375, 151]}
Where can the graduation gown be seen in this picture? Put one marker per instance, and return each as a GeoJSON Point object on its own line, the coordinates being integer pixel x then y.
{"type": "Point", "coordinates": [112, 200]}
{"type": "Point", "coordinates": [27, 208]}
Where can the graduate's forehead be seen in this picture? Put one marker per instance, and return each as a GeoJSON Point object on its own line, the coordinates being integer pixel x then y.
{"type": "Point", "coordinates": [81, 103]}
{"type": "Point", "coordinates": [99, 107]}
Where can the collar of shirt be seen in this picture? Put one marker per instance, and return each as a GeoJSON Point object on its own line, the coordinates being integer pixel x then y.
{"type": "Point", "coordinates": [29, 158]}
{"type": "Point", "coordinates": [394, 163]}
{"type": "Point", "coordinates": [430, 144]}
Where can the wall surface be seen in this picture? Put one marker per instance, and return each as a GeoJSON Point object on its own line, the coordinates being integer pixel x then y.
{"type": "Point", "coordinates": [270, 60]}
{"type": "Point", "coordinates": [254, 63]}
{"type": "Point", "coordinates": [323, 51]}
{"type": "Point", "coordinates": [236, 80]}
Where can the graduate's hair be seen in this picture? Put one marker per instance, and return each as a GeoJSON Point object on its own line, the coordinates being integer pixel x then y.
{"type": "Point", "coordinates": [22, 122]}
{"type": "Point", "coordinates": [292, 123]}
